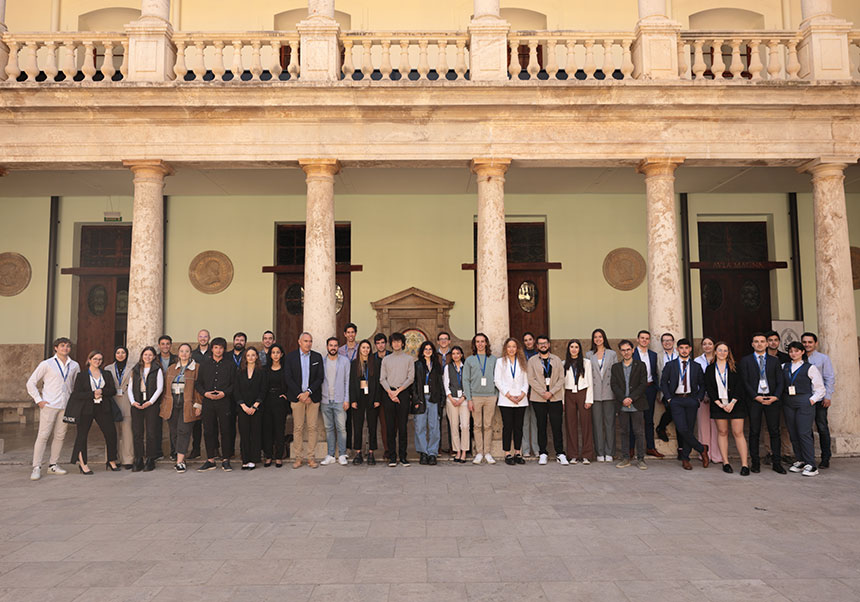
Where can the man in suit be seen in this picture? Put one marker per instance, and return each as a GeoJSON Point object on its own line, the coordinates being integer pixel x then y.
{"type": "Point", "coordinates": [683, 386]}
{"type": "Point", "coordinates": [825, 366]}
{"type": "Point", "coordinates": [303, 373]}
{"type": "Point", "coordinates": [649, 358]}
{"type": "Point", "coordinates": [629, 382]}
{"type": "Point", "coordinates": [763, 382]}
{"type": "Point", "coordinates": [666, 355]}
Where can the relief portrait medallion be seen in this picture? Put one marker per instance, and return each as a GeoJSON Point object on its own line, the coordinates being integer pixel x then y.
{"type": "Point", "coordinates": [624, 269]}
{"type": "Point", "coordinates": [211, 272]}
{"type": "Point", "coordinates": [15, 273]}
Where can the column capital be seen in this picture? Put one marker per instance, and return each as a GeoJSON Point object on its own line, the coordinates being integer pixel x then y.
{"type": "Point", "coordinates": [320, 167]}
{"type": "Point", "coordinates": [490, 167]}
{"type": "Point", "coordinates": [827, 166]}
{"type": "Point", "coordinates": [148, 167]}
{"type": "Point", "coordinates": [659, 166]}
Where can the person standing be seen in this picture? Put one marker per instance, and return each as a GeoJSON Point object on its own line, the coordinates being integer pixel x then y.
{"type": "Point", "coordinates": [57, 375]}
{"type": "Point", "coordinates": [380, 342]}
{"type": "Point", "coordinates": [809, 340]}
{"type": "Point", "coordinates": [456, 405]}
{"type": "Point", "coordinates": [603, 411]}
{"type": "Point", "coordinates": [804, 389]}
{"type": "Point", "coordinates": [181, 405]}
{"type": "Point", "coordinates": [443, 348]}
{"type": "Point", "coordinates": [427, 387]}
{"type": "Point", "coordinates": [335, 402]}
{"type": "Point", "coordinates": [725, 392]}
{"type": "Point", "coordinates": [249, 393]}
{"type": "Point", "coordinates": [643, 354]}
{"type": "Point", "coordinates": [396, 376]}
{"type": "Point", "coordinates": [511, 379]}
{"type": "Point", "coordinates": [707, 427]}
{"type": "Point", "coordinates": [215, 384]}
{"type": "Point", "coordinates": [546, 379]}
{"type": "Point", "coordinates": [197, 355]}
{"type": "Point", "coordinates": [683, 388]}
{"type": "Point", "coordinates": [91, 399]}
{"type": "Point", "coordinates": [364, 398]}
{"type": "Point", "coordinates": [529, 423]}
{"type": "Point", "coordinates": [762, 378]}
{"type": "Point", "coordinates": [303, 371]}
{"type": "Point", "coordinates": [667, 355]}
{"type": "Point", "coordinates": [481, 395]}
{"type": "Point", "coordinates": [275, 408]}
{"type": "Point", "coordinates": [144, 394]}
{"type": "Point", "coordinates": [578, 400]}
{"type": "Point", "coordinates": [349, 350]}
{"type": "Point", "coordinates": [167, 358]}
{"type": "Point", "coordinates": [773, 346]}
{"type": "Point", "coordinates": [122, 377]}
{"type": "Point", "coordinates": [268, 340]}
{"type": "Point", "coordinates": [629, 380]}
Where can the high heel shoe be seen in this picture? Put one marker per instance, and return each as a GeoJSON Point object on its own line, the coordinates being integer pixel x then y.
{"type": "Point", "coordinates": [86, 472]}
{"type": "Point", "coordinates": [116, 468]}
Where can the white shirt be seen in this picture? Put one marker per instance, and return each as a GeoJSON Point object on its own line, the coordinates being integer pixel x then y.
{"type": "Point", "coordinates": [763, 388]}
{"type": "Point", "coordinates": [55, 388]}
{"type": "Point", "coordinates": [722, 389]}
{"type": "Point", "coordinates": [583, 382]}
{"type": "Point", "coordinates": [511, 378]}
{"type": "Point", "coordinates": [159, 387]}
{"type": "Point", "coordinates": [446, 382]}
{"type": "Point", "coordinates": [818, 389]}
{"type": "Point", "coordinates": [686, 377]}
{"type": "Point", "coordinates": [643, 357]}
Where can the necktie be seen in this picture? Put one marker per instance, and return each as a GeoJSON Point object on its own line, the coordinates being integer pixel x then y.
{"type": "Point", "coordinates": [686, 388]}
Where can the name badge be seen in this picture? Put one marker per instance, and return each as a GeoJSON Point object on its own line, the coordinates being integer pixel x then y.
{"type": "Point", "coordinates": [792, 390]}
{"type": "Point", "coordinates": [426, 389]}
{"type": "Point", "coordinates": [546, 381]}
{"type": "Point", "coordinates": [119, 391]}
{"type": "Point", "coordinates": [575, 389]}
{"type": "Point", "coordinates": [177, 388]}
{"type": "Point", "coordinates": [762, 385]}
{"type": "Point", "coordinates": [484, 382]}
{"type": "Point", "coordinates": [459, 393]}
{"type": "Point", "coordinates": [366, 390]}
{"type": "Point", "coordinates": [363, 385]}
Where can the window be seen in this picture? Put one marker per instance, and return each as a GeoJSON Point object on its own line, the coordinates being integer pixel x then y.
{"type": "Point", "coordinates": [105, 246]}
{"type": "Point", "coordinates": [291, 244]}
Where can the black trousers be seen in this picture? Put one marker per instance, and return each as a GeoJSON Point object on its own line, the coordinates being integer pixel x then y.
{"type": "Point", "coordinates": [216, 421]}
{"type": "Point", "coordinates": [771, 415]}
{"type": "Point", "coordinates": [555, 411]}
{"type": "Point", "coordinates": [108, 428]}
{"type": "Point", "coordinates": [648, 417]}
{"type": "Point", "coordinates": [512, 427]}
{"type": "Point", "coordinates": [274, 423]}
{"type": "Point", "coordinates": [799, 416]}
{"type": "Point", "coordinates": [364, 411]}
{"type": "Point", "coordinates": [823, 430]}
{"type": "Point", "coordinates": [250, 431]}
{"type": "Point", "coordinates": [684, 410]}
{"type": "Point", "coordinates": [396, 421]}
{"type": "Point", "coordinates": [146, 432]}
{"type": "Point", "coordinates": [196, 437]}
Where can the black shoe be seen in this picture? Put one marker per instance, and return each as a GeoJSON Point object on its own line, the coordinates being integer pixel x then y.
{"type": "Point", "coordinates": [138, 465]}
{"type": "Point", "coordinates": [225, 466]}
{"type": "Point", "coordinates": [509, 460]}
{"type": "Point", "coordinates": [825, 463]}
{"type": "Point", "coordinates": [207, 465]}
{"type": "Point", "coordinates": [431, 460]}
{"type": "Point", "coordinates": [422, 459]}
{"type": "Point", "coordinates": [404, 461]}
{"type": "Point", "coordinates": [745, 472]}
{"type": "Point", "coordinates": [173, 457]}
{"type": "Point", "coordinates": [116, 468]}
{"type": "Point", "coordinates": [518, 459]}
{"type": "Point", "coordinates": [727, 468]}
{"type": "Point", "coordinates": [159, 456]}
{"type": "Point", "coordinates": [195, 453]}
{"type": "Point", "coordinates": [278, 464]}
{"type": "Point", "coordinates": [392, 462]}
{"type": "Point", "coordinates": [357, 459]}
{"type": "Point", "coordinates": [371, 461]}
{"type": "Point", "coordinates": [150, 465]}
{"type": "Point", "coordinates": [777, 467]}
{"type": "Point", "coordinates": [86, 472]}
{"type": "Point", "coordinates": [662, 435]}
{"type": "Point", "coordinates": [768, 459]}
{"type": "Point", "coordinates": [787, 460]}
{"type": "Point", "coordinates": [756, 466]}
{"type": "Point", "coordinates": [180, 467]}
{"type": "Point", "coordinates": [127, 466]}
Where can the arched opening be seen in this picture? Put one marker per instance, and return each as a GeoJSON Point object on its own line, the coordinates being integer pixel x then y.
{"type": "Point", "coordinates": [523, 19]}
{"type": "Point", "coordinates": [107, 19]}
{"type": "Point", "coordinates": [727, 19]}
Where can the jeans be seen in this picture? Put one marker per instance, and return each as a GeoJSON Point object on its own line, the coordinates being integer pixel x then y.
{"type": "Point", "coordinates": [799, 417]}
{"type": "Point", "coordinates": [529, 431]}
{"type": "Point", "coordinates": [637, 421]}
{"type": "Point", "coordinates": [334, 420]}
{"type": "Point", "coordinates": [427, 433]}
{"type": "Point", "coordinates": [684, 410]}
{"type": "Point", "coordinates": [823, 430]}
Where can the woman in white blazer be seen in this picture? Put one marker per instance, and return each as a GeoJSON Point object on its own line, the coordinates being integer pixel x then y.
{"type": "Point", "coordinates": [578, 399]}
{"type": "Point", "coordinates": [602, 357]}
{"type": "Point", "coordinates": [512, 382]}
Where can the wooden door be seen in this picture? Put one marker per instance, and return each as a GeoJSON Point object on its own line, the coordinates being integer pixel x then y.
{"type": "Point", "coordinates": [528, 302]}
{"type": "Point", "coordinates": [735, 304]}
{"type": "Point", "coordinates": [97, 303]}
{"type": "Point", "coordinates": [290, 306]}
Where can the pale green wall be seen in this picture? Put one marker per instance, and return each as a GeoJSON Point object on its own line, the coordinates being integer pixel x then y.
{"type": "Point", "coordinates": [24, 230]}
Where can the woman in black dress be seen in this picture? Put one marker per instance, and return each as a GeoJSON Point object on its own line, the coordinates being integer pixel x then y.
{"type": "Point", "coordinates": [92, 399]}
{"type": "Point", "coordinates": [249, 393]}
{"type": "Point", "coordinates": [275, 408]}
{"type": "Point", "coordinates": [724, 388]}
{"type": "Point", "coordinates": [363, 386]}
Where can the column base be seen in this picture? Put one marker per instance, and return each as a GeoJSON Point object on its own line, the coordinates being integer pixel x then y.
{"type": "Point", "coordinates": [845, 445]}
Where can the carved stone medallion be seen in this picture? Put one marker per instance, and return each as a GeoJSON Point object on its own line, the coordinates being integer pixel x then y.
{"type": "Point", "coordinates": [15, 273]}
{"type": "Point", "coordinates": [624, 269]}
{"type": "Point", "coordinates": [211, 272]}
{"type": "Point", "coordinates": [855, 267]}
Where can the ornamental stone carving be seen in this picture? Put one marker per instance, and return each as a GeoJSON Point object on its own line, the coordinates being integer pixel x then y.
{"type": "Point", "coordinates": [15, 273]}
{"type": "Point", "coordinates": [211, 272]}
{"type": "Point", "coordinates": [624, 269]}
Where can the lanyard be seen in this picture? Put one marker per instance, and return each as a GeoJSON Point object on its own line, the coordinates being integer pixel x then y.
{"type": "Point", "coordinates": [668, 357]}
{"type": "Point", "coordinates": [427, 376]}
{"type": "Point", "coordinates": [181, 374]}
{"type": "Point", "coordinates": [484, 367]}
{"type": "Point", "coordinates": [365, 372]}
{"type": "Point", "coordinates": [97, 384]}
{"type": "Point", "coordinates": [514, 369]}
{"type": "Point", "coordinates": [723, 376]}
{"type": "Point", "coordinates": [684, 370]}
{"type": "Point", "coordinates": [600, 362]}
{"type": "Point", "coordinates": [119, 374]}
{"type": "Point", "coordinates": [762, 364]}
{"type": "Point", "coordinates": [354, 351]}
{"type": "Point", "coordinates": [547, 368]}
{"type": "Point", "coordinates": [459, 376]}
{"type": "Point", "coordinates": [792, 376]}
{"type": "Point", "coordinates": [237, 359]}
{"type": "Point", "coordinates": [65, 374]}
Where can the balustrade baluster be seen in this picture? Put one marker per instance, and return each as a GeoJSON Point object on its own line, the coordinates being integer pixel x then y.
{"type": "Point", "coordinates": [179, 67]}
{"type": "Point", "coordinates": [218, 67]}
{"type": "Point", "coordinates": [348, 68]}
{"type": "Point", "coordinates": [461, 67]}
{"type": "Point", "coordinates": [793, 64]}
{"type": "Point", "coordinates": [534, 65]}
{"type": "Point", "coordinates": [68, 60]}
{"type": "Point", "coordinates": [366, 58]}
{"type": "Point", "coordinates": [442, 59]}
{"type": "Point", "coordinates": [699, 66]}
{"type": "Point", "coordinates": [31, 58]}
{"type": "Point", "coordinates": [89, 66]}
{"type": "Point", "coordinates": [51, 70]}
{"type": "Point", "coordinates": [237, 69]}
{"type": "Point", "coordinates": [12, 69]}
{"type": "Point", "coordinates": [737, 67]}
{"type": "Point", "coordinates": [514, 61]}
{"type": "Point", "coordinates": [275, 66]}
{"type": "Point", "coordinates": [256, 62]}
{"type": "Point", "coordinates": [403, 66]}
{"type": "Point", "coordinates": [718, 67]}
{"type": "Point", "coordinates": [773, 67]}
{"type": "Point", "coordinates": [627, 59]}
{"type": "Point", "coordinates": [608, 60]}
{"type": "Point", "coordinates": [590, 67]}
{"type": "Point", "coordinates": [385, 67]}
{"type": "Point", "coordinates": [200, 65]}
{"type": "Point", "coordinates": [108, 68]}
{"type": "Point", "coordinates": [295, 67]}
{"type": "Point", "coordinates": [423, 63]}
{"type": "Point", "coordinates": [683, 60]}
{"type": "Point", "coordinates": [552, 58]}
{"type": "Point", "coordinates": [756, 65]}
{"type": "Point", "coordinates": [123, 68]}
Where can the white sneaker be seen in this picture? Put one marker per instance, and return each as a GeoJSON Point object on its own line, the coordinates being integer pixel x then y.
{"type": "Point", "coordinates": [573, 460]}
{"type": "Point", "coordinates": [796, 467]}
{"type": "Point", "coordinates": [478, 458]}
{"type": "Point", "coordinates": [599, 459]}
{"type": "Point", "coordinates": [36, 474]}
{"type": "Point", "coordinates": [251, 466]}
{"type": "Point", "coordinates": [609, 458]}
{"type": "Point", "coordinates": [55, 469]}
{"type": "Point", "coordinates": [808, 471]}
{"type": "Point", "coordinates": [542, 460]}
{"type": "Point", "coordinates": [328, 460]}
{"type": "Point", "coordinates": [562, 459]}
{"type": "Point", "coordinates": [586, 461]}
{"type": "Point", "coordinates": [342, 460]}
{"type": "Point", "coordinates": [490, 459]}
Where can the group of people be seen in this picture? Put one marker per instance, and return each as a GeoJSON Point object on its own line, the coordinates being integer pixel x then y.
{"type": "Point", "coordinates": [209, 393]}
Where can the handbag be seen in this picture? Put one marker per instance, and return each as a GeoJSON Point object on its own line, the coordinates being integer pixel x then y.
{"type": "Point", "coordinates": [418, 406]}
{"type": "Point", "coordinates": [70, 419]}
{"type": "Point", "coordinates": [117, 413]}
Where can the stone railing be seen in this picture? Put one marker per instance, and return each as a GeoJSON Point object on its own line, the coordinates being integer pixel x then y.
{"type": "Point", "coordinates": [738, 55]}
{"type": "Point", "coordinates": [65, 57]}
{"type": "Point", "coordinates": [246, 56]}
{"type": "Point", "coordinates": [542, 55]}
{"type": "Point", "coordinates": [421, 56]}
{"type": "Point", "coordinates": [854, 40]}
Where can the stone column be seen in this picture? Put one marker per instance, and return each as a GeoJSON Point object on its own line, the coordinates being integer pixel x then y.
{"type": "Point", "coordinates": [488, 46]}
{"type": "Point", "coordinates": [652, 8]}
{"type": "Point", "coordinates": [665, 295]}
{"type": "Point", "coordinates": [824, 50]}
{"type": "Point", "coordinates": [320, 49]}
{"type": "Point", "coordinates": [151, 52]}
{"type": "Point", "coordinates": [2, 15]}
{"type": "Point", "coordinates": [320, 317]}
{"type": "Point", "coordinates": [4, 49]}
{"type": "Point", "coordinates": [55, 15]}
{"type": "Point", "coordinates": [146, 274]}
{"type": "Point", "coordinates": [486, 8]}
{"type": "Point", "coordinates": [655, 49]}
{"type": "Point", "coordinates": [321, 8]}
{"type": "Point", "coordinates": [837, 319]}
{"type": "Point", "coordinates": [492, 268]}
{"type": "Point", "coordinates": [815, 8]}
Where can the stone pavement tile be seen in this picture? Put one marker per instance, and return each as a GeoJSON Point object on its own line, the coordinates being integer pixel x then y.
{"type": "Point", "coordinates": [10, 528]}
{"type": "Point", "coordinates": [53, 594]}
{"type": "Point", "coordinates": [299, 548]}
{"type": "Point", "coordinates": [426, 547]}
{"type": "Point", "coordinates": [9, 547]}
{"type": "Point", "coordinates": [672, 567]}
{"type": "Point", "coordinates": [39, 574]}
{"type": "Point", "coordinates": [602, 568]}
{"type": "Point", "coordinates": [6, 566]}
{"type": "Point", "coordinates": [165, 530]}
{"type": "Point", "coordinates": [505, 592]}
{"type": "Point", "coordinates": [226, 549]}
{"type": "Point", "coordinates": [227, 530]}
{"type": "Point", "coordinates": [50, 532]}
{"type": "Point", "coordinates": [551, 545]}
{"type": "Point", "coordinates": [803, 590]}
{"type": "Point", "coordinates": [680, 525]}
{"type": "Point", "coordinates": [526, 511]}
{"type": "Point", "coordinates": [116, 573]}
{"type": "Point", "coordinates": [248, 572]}
{"type": "Point", "coordinates": [291, 529]}
{"type": "Point", "coordinates": [194, 593]}
{"type": "Point", "coordinates": [740, 590]}
{"type": "Point", "coordinates": [119, 594]}
{"type": "Point", "coordinates": [462, 570]}
{"type": "Point", "coordinates": [741, 566]}
{"type": "Point", "coordinates": [489, 546]}
{"type": "Point", "coordinates": [294, 592]}
{"type": "Point", "coordinates": [397, 528]}
{"type": "Point", "coordinates": [585, 591]}
{"type": "Point", "coordinates": [664, 591]}
{"type": "Point", "coordinates": [455, 528]}
{"type": "Point", "coordinates": [852, 583]}
{"type": "Point", "coordinates": [427, 592]}
{"type": "Point", "coordinates": [813, 566]}
{"type": "Point", "coordinates": [547, 569]}
{"type": "Point", "coordinates": [618, 545]}
{"type": "Point", "coordinates": [625, 527]}
{"type": "Point", "coordinates": [501, 526]}
{"type": "Point", "coordinates": [391, 570]}
{"type": "Point", "coordinates": [37, 551]}
{"type": "Point", "coordinates": [570, 526]}
{"type": "Point", "coordinates": [316, 571]}
{"type": "Point", "coordinates": [170, 550]}
{"type": "Point", "coordinates": [108, 532]}
{"type": "Point", "coordinates": [365, 592]}
{"type": "Point", "coordinates": [607, 510]}
{"type": "Point", "coordinates": [362, 547]}
{"type": "Point", "coordinates": [180, 572]}
{"type": "Point", "coordinates": [341, 528]}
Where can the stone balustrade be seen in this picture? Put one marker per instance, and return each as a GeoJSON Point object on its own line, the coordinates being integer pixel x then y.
{"type": "Point", "coordinates": [420, 56]}
{"type": "Point", "coordinates": [854, 39]}
{"type": "Point", "coordinates": [237, 57]}
{"type": "Point", "coordinates": [738, 56]}
{"type": "Point", "coordinates": [551, 55]}
{"type": "Point", "coordinates": [65, 57]}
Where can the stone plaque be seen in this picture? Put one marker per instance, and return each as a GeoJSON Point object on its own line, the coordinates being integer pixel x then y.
{"type": "Point", "coordinates": [624, 269]}
{"type": "Point", "coordinates": [15, 274]}
{"type": "Point", "coordinates": [855, 266]}
{"type": "Point", "coordinates": [211, 272]}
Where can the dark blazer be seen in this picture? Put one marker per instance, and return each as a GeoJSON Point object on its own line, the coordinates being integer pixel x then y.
{"type": "Point", "coordinates": [733, 382]}
{"type": "Point", "coordinates": [81, 402]}
{"type": "Point", "coordinates": [749, 372]}
{"type": "Point", "coordinates": [250, 390]}
{"type": "Point", "coordinates": [380, 394]}
{"type": "Point", "coordinates": [437, 387]}
{"type": "Point", "coordinates": [672, 376]}
{"type": "Point", "coordinates": [638, 384]}
{"type": "Point", "coordinates": [293, 375]}
{"type": "Point", "coordinates": [356, 375]}
{"type": "Point", "coordinates": [652, 357]}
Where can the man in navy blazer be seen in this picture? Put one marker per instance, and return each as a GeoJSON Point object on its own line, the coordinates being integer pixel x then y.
{"type": "Point", "coordinates": [649, 358]}
{"type": "Point", "coordinates": [304, 374]}
{"type": "Point", "coordinates": [683, 387]}
{"type": "Point", "coordinates": [763, 382]}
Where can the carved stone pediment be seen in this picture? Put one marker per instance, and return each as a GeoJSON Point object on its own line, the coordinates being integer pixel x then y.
{"type": "Point", "coordinates": [413, 310]}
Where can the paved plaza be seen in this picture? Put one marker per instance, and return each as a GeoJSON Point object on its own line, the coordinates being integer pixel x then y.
{"type": "Point", "coordinates": [445, 533]}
